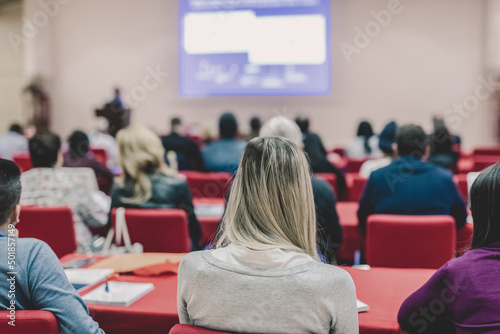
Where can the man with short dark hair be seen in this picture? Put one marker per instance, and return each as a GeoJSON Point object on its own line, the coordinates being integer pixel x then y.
{"type": "Point", "coordinates": [12, 142]}
{"type": "Point", "coordinates": [39, 279]}
{"type": "Point", "coordinates": [410, 186]}
{"type": "Point", "coordinates": [48, 185]}
{"type": "Point", "coordinates": [225, 154]}
{"type": "Point", "coordinates": [188, 152]}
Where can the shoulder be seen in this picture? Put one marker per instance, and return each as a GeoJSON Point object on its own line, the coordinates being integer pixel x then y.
{"type": "Point", "coordinates": [321, 187]}
{"type": "Point", "coordinates": [193, 262]}
{"type": "Point", "coordinates": [33, 248]}
{"type": "Point", "coordinates": [330, 277]}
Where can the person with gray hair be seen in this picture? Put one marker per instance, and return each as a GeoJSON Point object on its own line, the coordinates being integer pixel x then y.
{"type": "Point", "coordinates": [328, 226]}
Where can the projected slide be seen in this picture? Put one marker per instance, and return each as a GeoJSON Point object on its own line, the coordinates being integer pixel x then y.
{"type": "Point", "coordinates": [254, 47]}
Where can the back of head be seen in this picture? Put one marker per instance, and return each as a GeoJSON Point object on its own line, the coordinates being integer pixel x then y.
{"type": "Point", "coordinates": [16, 128]}
{"type": "Point", "coordinates": [44, 149]}
{"type": "Point", "coordinates": [271, 203]}
{"type": "Point", "coordinates": [441, 140]}
{"type": "Point", "coordinates": [141, 154]}
{"type": "Point", "coordinates": [387, 138]}
{"type": "Point", "coordinates": [412, 141]}
{"type": "Point", "coordinates": [228, 126]}
{"type": "Point", "coordinates": [303, 123]}
{"type": "Point", "coordinates": [365, 129]}
{"type": "Point", "coordinates": [281, 126]}
{"type": "Point", "coordinates": [78, 144]}
{"type": "Point", "coordinates": [255, 124]}
{"type": "Point", "coordinates": [484, 199]}
{"type": "Point", "coordinates": [10, 188]}
{"type": "Point", "coordinates": [175, 123]}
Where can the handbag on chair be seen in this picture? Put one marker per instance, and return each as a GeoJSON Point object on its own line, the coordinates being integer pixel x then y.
{"type": "Point", "coordinates": [110, 248]}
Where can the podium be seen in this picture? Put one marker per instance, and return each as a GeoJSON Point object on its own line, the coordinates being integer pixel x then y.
{"type": "Point", "coordinates": [117, 117]}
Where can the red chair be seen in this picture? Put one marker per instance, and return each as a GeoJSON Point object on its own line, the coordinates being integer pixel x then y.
{"type": "Point", "coordinates": [483, 161]}
{"type": "Point", "coordinates": [487, 151]}
{"type": "Point", "coordinates": [410, 241]}
{"type": "Point", "coordinates": [100, 155]}
{"type": "Point", "coordinates": [356, 187]}
{"type": "Point", "coordinates": [330, 178]}
{"type": "Point", "coordinates": [354, 165]}
{"type": "Point", "coordinates": [39, 322]}
{"type": "Point", "coordinates": [187, 329]}
{"type": "Point", "coordinates": [461, 183]}
{"type": "Point", "coordinates": [208, 184]}
{"type": "Point", "coordinates": [23, 160]}
{"type": "Point", "coordinates": [55, 226]}
{"type": "Point", "coordinates": [339, 151]}
{"type": "Point", "coordinates": [158, 230]}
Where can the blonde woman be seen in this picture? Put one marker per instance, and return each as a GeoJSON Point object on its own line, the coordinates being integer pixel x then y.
{"type": "Point", "coordinates": [265, 275]}
{"type": "Point", "coordinates": [147, 181]}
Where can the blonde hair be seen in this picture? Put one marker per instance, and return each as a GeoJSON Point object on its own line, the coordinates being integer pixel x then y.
{"type": "Point", "coordinates": [271, 204]}
{"type": "Point", "coordinates": [141, 154]}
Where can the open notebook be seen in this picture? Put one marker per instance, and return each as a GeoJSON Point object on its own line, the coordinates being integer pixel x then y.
{"type": "Point", "coordinates": [81, 278]}
{"type": "Point", "coordinates": [362, 307]}
{"type": "Point", "coordinates": [119, 293]}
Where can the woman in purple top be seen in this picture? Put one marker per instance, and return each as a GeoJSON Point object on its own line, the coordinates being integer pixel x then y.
{"type": "Point", "coordinates": [463, 296]}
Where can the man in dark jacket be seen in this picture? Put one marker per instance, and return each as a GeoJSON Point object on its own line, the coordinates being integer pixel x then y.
{"type": "Point", "coordinates": [410, 186]}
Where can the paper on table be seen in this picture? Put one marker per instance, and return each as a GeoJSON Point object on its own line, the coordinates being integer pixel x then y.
{"type": "Point", "coordinates": [87, 276]}
{"type": "Point", "coordinates": [362, 307]}
{"type": "Point", "coordinates": [129, 262]}
{"type": "Point", "coordinates": [119, 293]}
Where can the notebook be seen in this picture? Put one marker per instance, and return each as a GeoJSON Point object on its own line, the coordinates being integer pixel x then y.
{"type": "Point", "coordinates": [119, 293]}
{"type": "Point", "coordinates": [362, 307]}
{"type": "Point", "coordinates": [81, 278]}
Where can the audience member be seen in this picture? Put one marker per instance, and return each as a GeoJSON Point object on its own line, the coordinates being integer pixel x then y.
{"type": "Point", "coordinates": [188, 152]}
{"type": "Point", "coordinates": [317, 154]}
{"type": "Point", "coordinates": [386, 141]}
{"type": "Point", "coordinates": [78, 156]}
{"type": "Point", "coordinates": [40, 281]}
{"type": "Point", "coordinates": [147, 182]}
{"type": "Point", "coordinates": [442, 153]}
{"type": "Point", "coordinates": [255, 125]}
{"type": "Point", "coordinates": [465, 291]}
{"type": "Point", "coordinates": [265, 275]}
{"type": "Point", "coordinates": [329, 230]}
{"type": "Point", "coordinates": [225, 154]}
{"type": "Point", "coordinates": [100, 138]}
{"type": "Point", "coordinates": [365, 145]}
{"type": "Point", "coordinates": [48, 185]}
{"type": "Point", "coordinates": [410, 186]}
{"type": "Point", "coordinates": [12, 142]}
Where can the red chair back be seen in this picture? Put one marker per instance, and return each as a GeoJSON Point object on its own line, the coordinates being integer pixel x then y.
{"type": "Point", "coordinates": [330, 178]}
{"type": "Point", "coordinates": [354, 165]}
{"type": "Point", "coordinates": [356, 187]}
{"type": "Point", "coordinates": [187, 329]}
{"type": "Point", "coordinates": [39, 322]}
{"type": "Point", "coordinates": [55, 226]}
{"type": "Point", "coordinates": [100, 155]}
{"type": "Point", "coordinates": [461, 183]}
{"type": "Point", "coordinates": [158, 230]}
{"type": "Point", "coordinates": [23, 160]}
{"type": "Point", "coordinates": [483, 161]}
{"type": "Point", "coordinates": [487, 151]}
{"type": "Point", "coordinates": [410, 241]}
{"type": "Point", "coordinates": [208, 184]}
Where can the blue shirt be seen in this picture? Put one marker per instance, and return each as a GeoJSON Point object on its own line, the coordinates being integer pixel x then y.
{"type": "Point", "coordinates": [41, 284]}
{"type": "Point", "coordinates": [409, 186]}
{"type": "Point", "coordinates": [223, 155]}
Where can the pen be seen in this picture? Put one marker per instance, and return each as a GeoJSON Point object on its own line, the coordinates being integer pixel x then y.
{"type": "Point", "coordinates": [106, 287]}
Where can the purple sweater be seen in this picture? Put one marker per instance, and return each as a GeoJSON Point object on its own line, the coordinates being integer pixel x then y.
{"type": "Point", "coordinates": [463, 296]}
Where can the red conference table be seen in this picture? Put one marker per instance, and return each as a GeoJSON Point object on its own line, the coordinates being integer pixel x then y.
{"type": "Point", "coordinates": [383, 289]}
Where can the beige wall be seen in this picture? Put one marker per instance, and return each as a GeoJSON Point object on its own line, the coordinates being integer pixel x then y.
{"type": "Point", "coordinates": [11, 68]}
{"type": "Point", "coordinates": [427, 59]}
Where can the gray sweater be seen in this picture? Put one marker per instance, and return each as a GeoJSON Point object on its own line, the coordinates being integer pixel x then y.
{"type": "Point", "coordinates": [308, 298]}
